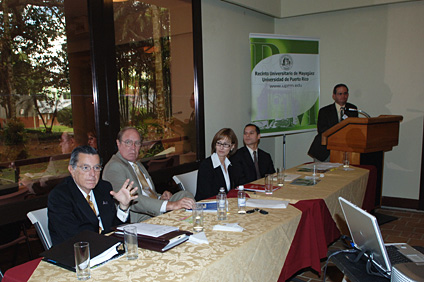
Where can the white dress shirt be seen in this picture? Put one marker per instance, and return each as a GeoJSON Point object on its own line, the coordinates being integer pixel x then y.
{"type": "Point", "coordinates": [216, 162]}
{"type": "Point", "coordinates": [122, 215]}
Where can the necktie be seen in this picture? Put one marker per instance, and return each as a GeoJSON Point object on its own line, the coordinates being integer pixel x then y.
{"type": "Point", "coordinates": [255, 160]}
{"type": "Point", "coordinates": [93, 208]}
{"type": "Point", "coordinates": [341, 113]}
{"type": "Point", "coordinates": [144, 185]}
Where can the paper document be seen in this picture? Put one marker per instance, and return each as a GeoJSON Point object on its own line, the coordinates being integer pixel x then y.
{"type": "Point", "coordinates": [152, 230]}
{"type": "Point", "coordinates": [209, 206]}
{"type": "Point", "coordinates": [288, 177]}
{"type": "Point", "coordinates": [233, 227]}
{"type": "Point", "coordinates": [105, 256]}
{"type": "Point", "coordinates": [320, 167]}
{"type": "Point", "coordinates": [258, 187]}
{"type": "Point", "coordinates": [272, 204]}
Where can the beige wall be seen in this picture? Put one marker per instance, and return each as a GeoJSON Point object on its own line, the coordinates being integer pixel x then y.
{"type": "Point", "coordinates": [377, 51]}
{"type": "Point", "coordinates": [226, 64]}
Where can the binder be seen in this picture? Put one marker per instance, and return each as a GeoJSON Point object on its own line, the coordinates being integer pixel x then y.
{"type": "Point", "coordinates": [63, 253]}
{"type": "Point", "coordinates": [161, 243]}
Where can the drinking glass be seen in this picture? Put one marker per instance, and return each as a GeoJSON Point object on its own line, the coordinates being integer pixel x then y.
{"type": "Point", "coordinates": [269, 183]}
{"type": "Point", "coordinates": [197, 217]}
{"type": "Point", "coordinates": [131, 242]}
{"type": "Point", "coordinates": [280, 176]}
{"type": "Point", "coordinates": [82, 260]}
{"type": "Point", "coordinates": [345, 160]}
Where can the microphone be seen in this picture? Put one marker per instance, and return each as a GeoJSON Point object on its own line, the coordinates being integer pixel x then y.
{"type": "Point", "coordinates": [356, 110]}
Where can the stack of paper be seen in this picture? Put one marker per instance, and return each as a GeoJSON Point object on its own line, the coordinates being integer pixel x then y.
{"type": "Point", "coordinates": [152, 230]}
{"type": "Point", "coordinates": [272, 204]}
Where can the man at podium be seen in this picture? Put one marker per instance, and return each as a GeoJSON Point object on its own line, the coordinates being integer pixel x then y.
{"type": "Point", "coordinates": [328, 116]}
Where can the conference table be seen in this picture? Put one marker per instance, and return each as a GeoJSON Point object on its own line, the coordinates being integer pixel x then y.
{"type": "Point", "coordinates": [258, 253]}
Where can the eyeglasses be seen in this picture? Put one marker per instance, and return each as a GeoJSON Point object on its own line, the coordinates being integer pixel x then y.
{"type": "Point", "coordinates": [256, 209]}
{"type": "Point", "coordinates": [87, 168]}
{"type": "Point", "coordinates": [130, 143]}
{"type": "Point", "coordinates": [225, 145]}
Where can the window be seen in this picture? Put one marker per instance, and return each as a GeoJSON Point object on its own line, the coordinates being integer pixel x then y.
{"type": "Point", "coordinates": [63, 83]}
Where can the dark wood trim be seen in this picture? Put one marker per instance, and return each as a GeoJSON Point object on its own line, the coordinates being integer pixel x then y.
{"type": "Point", "coordinates": [400, 203]}
{"type": "Point", "coordinates": [198, 79]}
{"type": "Point", "coordinates": [421, 196]}
{"type": "Point", "coordinates": [103, 70]}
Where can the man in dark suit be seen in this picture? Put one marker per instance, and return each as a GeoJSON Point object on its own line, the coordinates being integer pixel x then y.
{"type": "Point", "coordinates": [329, 116]}
{"type": "Point", "coordinates": [244, 158]}
{"type": "Point", "coordinates": [84, 202]}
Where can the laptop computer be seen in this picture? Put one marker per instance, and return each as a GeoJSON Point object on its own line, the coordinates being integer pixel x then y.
{"type": "Point", "coordinates": [366, 237]}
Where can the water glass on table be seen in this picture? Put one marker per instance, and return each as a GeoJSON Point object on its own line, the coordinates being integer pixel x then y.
{"type": "Point", "coordinates": [269, 181]}
{"type": "Point", "coordinates": [345, 160]}
{"type": "Point", "coordinates": [82, 260]}
{"type": "Point", "coordinates": [280, 176]}
{"type": "Point", "coordinates": [131, 242]}
{"type": "Point", "coordinates": [197, 217]}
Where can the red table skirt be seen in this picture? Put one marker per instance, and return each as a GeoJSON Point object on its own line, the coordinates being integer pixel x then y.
{"type": "Point", "coordinates": [316, 230]}
{"type": "Point", "coordinates": [22, 272]}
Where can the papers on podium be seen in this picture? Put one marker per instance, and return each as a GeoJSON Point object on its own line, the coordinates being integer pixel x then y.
{"type": "Point", "coordinates": [102, 249]}
{"type": "Point", "coordinates": [159, 238]}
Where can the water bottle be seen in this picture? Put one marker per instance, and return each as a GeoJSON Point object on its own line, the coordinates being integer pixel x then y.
{"type": "Point", "coordinates": [221, 204]}
{"type": "Point", "coordinates": [241, 199]}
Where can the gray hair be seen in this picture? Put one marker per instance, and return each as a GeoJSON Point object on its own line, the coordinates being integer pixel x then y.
{"type": "Point", "coordinates": [123, 130]}
{"type": "Point", "coordinates": [85, 149]}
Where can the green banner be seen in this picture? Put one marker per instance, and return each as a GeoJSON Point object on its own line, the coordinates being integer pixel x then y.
{"type": "Point", "coordinates": [285, 83]}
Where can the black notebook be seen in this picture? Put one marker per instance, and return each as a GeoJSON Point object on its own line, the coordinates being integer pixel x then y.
{"type": "Point", "coordinates": [102, 249]}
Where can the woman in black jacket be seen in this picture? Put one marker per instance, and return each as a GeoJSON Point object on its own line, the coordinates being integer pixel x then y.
{"type": "Point", "coordinates": [217, 171]}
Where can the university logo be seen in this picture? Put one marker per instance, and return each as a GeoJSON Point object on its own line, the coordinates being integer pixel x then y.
{"type": "Point", "coordinates": [286, 62]}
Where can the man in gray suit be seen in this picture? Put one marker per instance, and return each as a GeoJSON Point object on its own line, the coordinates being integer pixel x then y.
{"type": "Point", "coordinates": [124, 165]}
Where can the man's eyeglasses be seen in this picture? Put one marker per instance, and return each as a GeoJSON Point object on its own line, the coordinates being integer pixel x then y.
{"type": "Point", "coordinates": [87, 168]}
{"type": "Point", "coordinates": [130, 143]}
{"type": "Point", "coordinates": [256, 209]}
{"type": "Point", "coordinates": [225, 145]}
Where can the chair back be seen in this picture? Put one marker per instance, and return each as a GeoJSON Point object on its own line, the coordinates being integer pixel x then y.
{"type": "Point", "coordinates": [187, 181]}
{"type": "Point", "coordinates": [40, 220]}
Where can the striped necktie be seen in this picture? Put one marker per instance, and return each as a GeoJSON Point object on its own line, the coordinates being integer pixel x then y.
{"type": "Point", "coordinates": [144, 185]}
{"type": "Point", "coordinates": [93, 208]}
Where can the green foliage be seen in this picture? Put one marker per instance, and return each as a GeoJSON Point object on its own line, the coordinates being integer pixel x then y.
{"type": "Point", "coordinates": [156, 149]}
{"type": "Point", "coordinates": [14, 133]}
{"type": "Point", "coordinates": [64, 117]}
{"type": "Point", "coordinates": [31, 60]}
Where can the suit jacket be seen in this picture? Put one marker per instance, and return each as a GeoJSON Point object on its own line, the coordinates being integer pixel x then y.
{"type": "Point", "coordinates": [210, 179]}
{"type": "Point", "coordinates": [245, 167]}
{"type": "Point", "coordinates": [69, 212]}
{"type": "Point", "coordinates": [117, 171]}
{"type": "Point", "coordinates": [327, 118]}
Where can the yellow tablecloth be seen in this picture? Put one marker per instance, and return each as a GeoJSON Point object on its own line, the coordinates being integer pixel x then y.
{"type": "Point", "coordinates": [256, 254]}
{"type": "Point", "coordinates": [349, 184]}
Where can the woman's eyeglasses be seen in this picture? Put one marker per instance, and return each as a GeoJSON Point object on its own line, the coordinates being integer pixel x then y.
{"type": "Point", "coordinates": [225, 145]}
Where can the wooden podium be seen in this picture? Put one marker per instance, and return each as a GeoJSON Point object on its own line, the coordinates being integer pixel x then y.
{"type": "Point", "coordinates": [364, 140]}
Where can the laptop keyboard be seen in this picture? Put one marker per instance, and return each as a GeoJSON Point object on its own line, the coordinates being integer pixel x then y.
{"type": "Point", "coordinates": [395, 256]}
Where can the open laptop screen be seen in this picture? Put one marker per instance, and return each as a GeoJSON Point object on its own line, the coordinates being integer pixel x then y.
{"type": "Point", "coordinates": [366, 234]}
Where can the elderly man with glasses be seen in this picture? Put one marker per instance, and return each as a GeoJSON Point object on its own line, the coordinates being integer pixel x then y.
{"type": "Point", "coordinates": [124, 165]}
{"type": "Point", "coordinates": [85, 202]}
